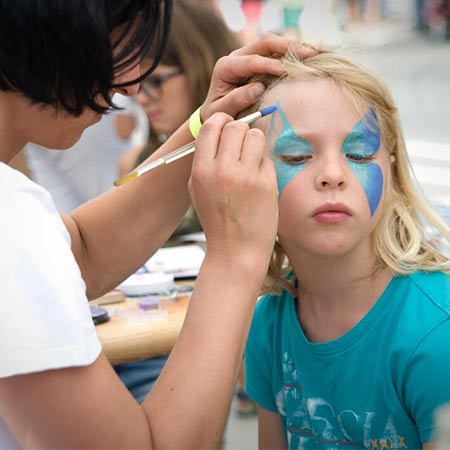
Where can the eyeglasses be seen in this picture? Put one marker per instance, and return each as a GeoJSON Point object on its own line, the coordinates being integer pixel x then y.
{"type": "Point", "coordinates": [152, 85]}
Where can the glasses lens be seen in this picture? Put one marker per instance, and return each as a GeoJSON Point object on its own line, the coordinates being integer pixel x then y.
{"type": "Point", "coordinates": [152, 86]}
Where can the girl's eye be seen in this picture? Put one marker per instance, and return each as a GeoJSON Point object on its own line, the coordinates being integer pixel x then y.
{"type": "Point", "coordinates": [294, 160]}
{"type": "Point", "coordinates": [359, 158]}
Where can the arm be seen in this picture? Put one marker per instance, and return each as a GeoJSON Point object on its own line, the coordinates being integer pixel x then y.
{"type": "Point", "coordinates": [139, 216]}
{"type": "Point", "coordinates": [270, 430]}
{"type": "Point", "coordinates": [88, 407]}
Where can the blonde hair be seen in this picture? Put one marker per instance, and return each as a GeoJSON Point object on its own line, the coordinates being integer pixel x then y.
{"type": "Point", "coordinates": [400, 237]}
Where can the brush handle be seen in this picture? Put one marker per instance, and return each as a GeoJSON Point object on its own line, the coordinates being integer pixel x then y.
{"type": "Point", "coordinates": [187, 149]}
{"type": "Point", "coordinates": [190, 147]}
{"type": "Point", "coordinates": [179, 152]}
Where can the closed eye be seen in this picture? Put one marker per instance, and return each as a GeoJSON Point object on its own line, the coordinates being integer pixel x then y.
{"type": "Point", "coordinates": [359, 158]}
{"type": "Point", "coordinates": [294, 160]}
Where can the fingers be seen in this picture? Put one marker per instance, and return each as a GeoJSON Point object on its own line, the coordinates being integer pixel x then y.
{"type": "Point", "coordinates": [233, 188]}
{"type": "Point", "coordinates": [240, 98]}
{"type": "Point", "coordinates": [238, 68]}
{"type": "Point", "coordinates": [272, 44]}
{"type": "Point", "coordinates": [253, 147]}
{"type": "Point", "coordinates": [209, 137]}
{"type": "Point", "coordinates": [231, 142]}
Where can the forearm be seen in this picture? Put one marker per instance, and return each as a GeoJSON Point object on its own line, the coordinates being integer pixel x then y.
{"type": "Point", "coordinates": [114, 234]}
{"type": "Point", "coordinates": [200, 376]}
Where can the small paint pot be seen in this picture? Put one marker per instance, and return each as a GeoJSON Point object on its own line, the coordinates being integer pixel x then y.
{"type": "Point", "coordinates": [148, 303]}
{"type": "Point", "coordinates": [99, 315]}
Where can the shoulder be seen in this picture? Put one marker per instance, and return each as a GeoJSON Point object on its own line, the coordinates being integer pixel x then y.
{"type": "Point", "coordinates": [15, 185]}
{"type": "Point", "coordinates": [271, 306]}
{"type": "Point", "coordinates": [421, 303]}
{"type": "Point", "coordinates": [40, 279]}
{"type": "Point", "coordinates": [27, 211]}
{"type": "Point", "coordinates": [269, 313]}
{"type": "Point", "coordinates": [433, 287]}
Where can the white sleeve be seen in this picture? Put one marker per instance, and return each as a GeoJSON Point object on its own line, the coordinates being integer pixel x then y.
{"type": "Point", "coordinates": [45, 320]}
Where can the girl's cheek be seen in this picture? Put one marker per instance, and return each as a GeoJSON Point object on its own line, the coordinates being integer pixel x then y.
{"type": "Point", "coordinates": [285, 173]}
{"type": "Point", "coordinates": [370, 176]}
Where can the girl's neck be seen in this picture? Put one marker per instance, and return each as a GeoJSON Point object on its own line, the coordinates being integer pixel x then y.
{"type": "Point", "coordinates": [335, 293]}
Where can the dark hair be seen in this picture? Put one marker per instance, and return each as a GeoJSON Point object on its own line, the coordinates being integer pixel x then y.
{"type": "Point", "coordinates": [61, 52]}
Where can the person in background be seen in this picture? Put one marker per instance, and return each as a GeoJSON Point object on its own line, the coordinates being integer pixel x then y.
{"type": "Point", "coordinates": [292, 11]}
{"type": "Point", "coordinates": [351, 347]}
{"type": "Point", "coordinates": [60, 64]}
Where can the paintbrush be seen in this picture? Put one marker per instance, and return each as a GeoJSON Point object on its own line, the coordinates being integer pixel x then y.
{"type": "Point", "coordinates": [185, 150]}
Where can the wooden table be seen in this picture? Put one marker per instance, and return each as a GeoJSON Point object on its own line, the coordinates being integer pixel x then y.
{"type": "Point", "coordinates": [129, 337]}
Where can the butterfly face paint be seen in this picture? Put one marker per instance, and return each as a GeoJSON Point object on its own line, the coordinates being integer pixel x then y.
{"type": "Point", "coordinates": [290, 151]}
{"type": "Point", "coordinates": [359, 148]}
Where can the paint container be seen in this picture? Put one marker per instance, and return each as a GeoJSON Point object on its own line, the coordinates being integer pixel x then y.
{"type": "Point", "coordinates": [99, 315]}
{"type": "Point", "coordinates": [140, 284]}
{"type": "Point", "coordinates": [150, 302]}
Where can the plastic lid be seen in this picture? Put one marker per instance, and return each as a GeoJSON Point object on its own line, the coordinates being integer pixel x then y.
{"type": "Point", "coordinates": [148, 283]}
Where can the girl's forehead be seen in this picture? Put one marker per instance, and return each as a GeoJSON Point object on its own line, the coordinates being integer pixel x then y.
{"type": "Point", "coordinates": [314, 106]}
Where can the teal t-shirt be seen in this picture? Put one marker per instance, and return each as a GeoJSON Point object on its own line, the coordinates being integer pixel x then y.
{"type": "Point", "coordinates": [374, 387]}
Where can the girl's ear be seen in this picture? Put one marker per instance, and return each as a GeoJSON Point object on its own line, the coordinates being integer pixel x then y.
{"type": "Point", "coordinates": [392, 160]}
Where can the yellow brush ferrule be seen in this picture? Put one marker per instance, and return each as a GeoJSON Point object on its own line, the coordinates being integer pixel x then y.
{"type": "Point", "coordinates": [131, 176]}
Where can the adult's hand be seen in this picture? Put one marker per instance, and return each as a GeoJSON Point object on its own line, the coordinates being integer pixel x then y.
{"type": "Point", "coordinates": [233, 187]}
{"type": "Point", "coordinates": [227, 92]}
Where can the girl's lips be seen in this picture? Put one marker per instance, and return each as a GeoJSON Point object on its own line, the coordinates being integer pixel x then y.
{"type": "Point", "coordinates": [331, 217]}
{"type": "Point", "coordinates": [332, 213]}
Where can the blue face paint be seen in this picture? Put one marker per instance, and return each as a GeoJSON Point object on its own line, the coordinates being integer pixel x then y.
{"type": "Point", "coordinates": [291, 152]}
{"type": "Point", "coordinates": [359, 148]}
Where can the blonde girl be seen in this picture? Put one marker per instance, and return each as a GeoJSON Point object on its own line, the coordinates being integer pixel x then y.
{"type": "Point", "coordinates": [350, 349]}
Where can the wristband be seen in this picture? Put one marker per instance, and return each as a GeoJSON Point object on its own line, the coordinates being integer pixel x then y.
{"type": "Point", "coordinates": [195, 123]}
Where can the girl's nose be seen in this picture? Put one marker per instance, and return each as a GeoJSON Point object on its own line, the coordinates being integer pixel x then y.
{"type": "Point", "coordinates": [331, 174]}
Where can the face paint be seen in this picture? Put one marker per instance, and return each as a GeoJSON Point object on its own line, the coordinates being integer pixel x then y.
{"type": "Point", "coordinates": [290, 150]}
{"type": "Point", "coordinates": [359, 147]}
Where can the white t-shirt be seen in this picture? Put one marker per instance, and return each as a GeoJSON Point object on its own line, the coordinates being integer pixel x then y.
{"type": "Point", "coordinates": [45, 321]}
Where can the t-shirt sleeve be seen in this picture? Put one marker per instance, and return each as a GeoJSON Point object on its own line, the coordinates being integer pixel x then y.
{"type": "Point", "coordinates": [45, 320]}
{"type": "Point", "coordinates": [428, 382]}
{"type": "Point", "coordinates": [258, 356]}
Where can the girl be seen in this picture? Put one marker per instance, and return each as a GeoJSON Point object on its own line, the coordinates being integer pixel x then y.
{"type": "Point", "coordinates": [353, 352]}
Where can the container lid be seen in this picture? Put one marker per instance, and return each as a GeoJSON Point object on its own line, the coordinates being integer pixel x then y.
{"type": "Point", "coordinates": [147, 283]}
